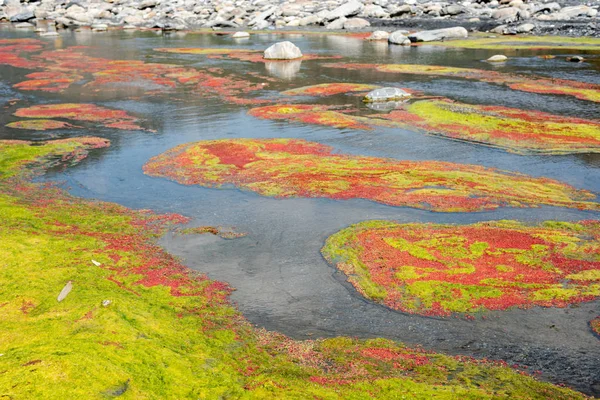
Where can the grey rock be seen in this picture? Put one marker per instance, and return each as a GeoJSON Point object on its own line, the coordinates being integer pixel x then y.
{"type": "Point", "coordinates": [310, 20]}
{"type": "Point", "coordinates": [356, 23]}
{"type": "Point", "coordinates": [379, 35]}
{"type": "Point", "coordinates": [385, 94]}
{"type": "Point", "coordinates": [506, 14]}
{"type": "Point", "coordinates": [453, 9]}
{"type": "Point", "coordinates": [348, 9]}
{"type": "Point", "coordinates": [337, 24]}
{"type": "Point", "coordinates": [404, 9]}
{"type": "Point", "coordinates": [525, 28]}
{"type": "Point", "coordinates": [373, 11]}
{"type": "Point", "coordinates": [283, 51]}
{"type": "Point", "coordinates": [24, 16]}
{"type": "Point", "coordinates": [399, 37]}
{"type": "Point", "coordinates": [457, 32]}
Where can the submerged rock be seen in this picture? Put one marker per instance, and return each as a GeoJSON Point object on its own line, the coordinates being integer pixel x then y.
{"type": "Point", "coordinates": [283, 51]}
{"type": "Point", "coordinates": [386, 94]}
{"type": "Point", "coordinates": [457, 32]}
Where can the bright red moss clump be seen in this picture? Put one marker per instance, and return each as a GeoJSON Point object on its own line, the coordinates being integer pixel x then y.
{"type": "Point", "coordinates": [11, 49]}
{"type": "Point", "coordinates": [298, 168]}
{"type": "Point", "coordinates": [439, 269]}
{"type": "Point", "coordinates": [109, 118]}
{"type": "Point", "coordinates": [516, 130]}
{"type": "Point", "coordinates": [50, 81]}
{"type": "Point", "coordinates": [526, 83]}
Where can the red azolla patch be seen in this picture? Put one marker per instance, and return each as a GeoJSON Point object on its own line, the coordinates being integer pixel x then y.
{"type": "Point", "coordinates": [109, 118]}
{"type": "Point", "coordinates": [297, 168]}
{"type": "Point", "coordinates": [49, 81]}
{"type": "Point", "coordinates": [526, 83]}
{"type": "Point", "coordinates": [439, 269]}
{"type": "Point", "coordinates": [510, 128]}
{"type": "Point", "coordinates": [11, 49]}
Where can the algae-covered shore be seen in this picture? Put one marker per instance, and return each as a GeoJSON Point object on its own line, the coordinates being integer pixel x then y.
{"type": "Point", "coordinates": [138, 324]}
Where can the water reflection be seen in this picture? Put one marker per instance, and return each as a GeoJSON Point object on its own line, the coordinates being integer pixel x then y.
{"type": "Point", "coordinates": [283, 69]}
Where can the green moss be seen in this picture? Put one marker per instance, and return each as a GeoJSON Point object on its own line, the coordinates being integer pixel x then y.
{"type": "Point", "coordinates": [515, 43]}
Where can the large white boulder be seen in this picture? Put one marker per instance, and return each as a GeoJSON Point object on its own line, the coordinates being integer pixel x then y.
{"type": "Point", "coordinates": [283, 51]}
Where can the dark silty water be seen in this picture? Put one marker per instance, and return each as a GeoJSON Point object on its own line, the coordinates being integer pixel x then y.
{"type": "Point", "coordinates": [282, 282]}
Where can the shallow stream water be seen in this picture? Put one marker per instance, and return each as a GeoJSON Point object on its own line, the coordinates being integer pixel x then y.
{"type": "Point", "coordinates": [281, 280]}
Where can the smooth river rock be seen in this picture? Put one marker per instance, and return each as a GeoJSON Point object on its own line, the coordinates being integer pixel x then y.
{"type": "Point", "coordinates": [283, 51]}
{"type": "Point", "coordinates": [399, 37]}
{"type": "Point", "coordinates": [457, 32]}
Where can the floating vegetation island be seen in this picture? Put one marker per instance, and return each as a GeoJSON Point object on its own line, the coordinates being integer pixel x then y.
{"type": "Point", "coordinates": [435, 269]}
{"type": "Point", "coordinates": [298, 168]}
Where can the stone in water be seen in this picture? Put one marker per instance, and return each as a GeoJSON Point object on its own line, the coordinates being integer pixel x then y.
{"type": "Point", "coordinates": [283, 51]}
{"type": "Point", "coordinates": [385, 94]}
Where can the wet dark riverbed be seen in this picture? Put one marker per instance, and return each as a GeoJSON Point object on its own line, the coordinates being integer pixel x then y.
{"type": "Point", "coordinates": [282, 281]}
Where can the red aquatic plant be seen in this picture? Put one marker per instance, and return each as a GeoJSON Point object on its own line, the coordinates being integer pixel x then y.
{"type": "Point", "coordinates": [439, 269]}
{"type": "Point", "coordinates": [329, 89]}
{"type": "Point", "coordinates": [318, 115]}
{"type": "Point", "coordinates": [298, 168]}
{"type": "Point", "coordinates": [514, 129]}
{"type": "Point", "coordinates": [11, 49]}
{"type": "Point", "coordinates": [109, 118]}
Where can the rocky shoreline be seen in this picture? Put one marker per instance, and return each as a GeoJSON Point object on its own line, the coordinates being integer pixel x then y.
{"type": "Point", "coordinates": [508, 17]}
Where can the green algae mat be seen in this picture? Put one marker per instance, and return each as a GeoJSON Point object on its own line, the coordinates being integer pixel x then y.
{"type": "Point", "coordinates": [518, 131]}
{"type": "Point", "coordinates": [297, 168]}
{"type": "Point", "coordinates": [435, 269]}
{"type": "Point", "coordinates": [138, 325]}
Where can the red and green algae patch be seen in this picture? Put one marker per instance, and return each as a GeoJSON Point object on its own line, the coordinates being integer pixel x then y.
{"type": "Point", "coordinates": [434, 269]}
{"type": "Point", "coordinates": [49, 81]}
{"type": "Point", "coordinates": [297, 168]}
{"type": "Point", "coordinates": [595, 325]}
{"type": "Point", "coordinates": [20, 157]}
{"type": "Point", "coordinates": [11, 52]}
{"type": "Point", "coordinates": [516, 130]}
{"type": "Point", "coordinates": [532, 84]}
{"type": "Point", "coordinates": [316, 114]}
{"type": "Point", "coordinates": [138, 323]}
{"type": "Point", "coordinates": [329, 89]}
{"type": "Point", "coordinates": [110, 118]}
{"type": "Point", "coordinates": [40, 125]}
